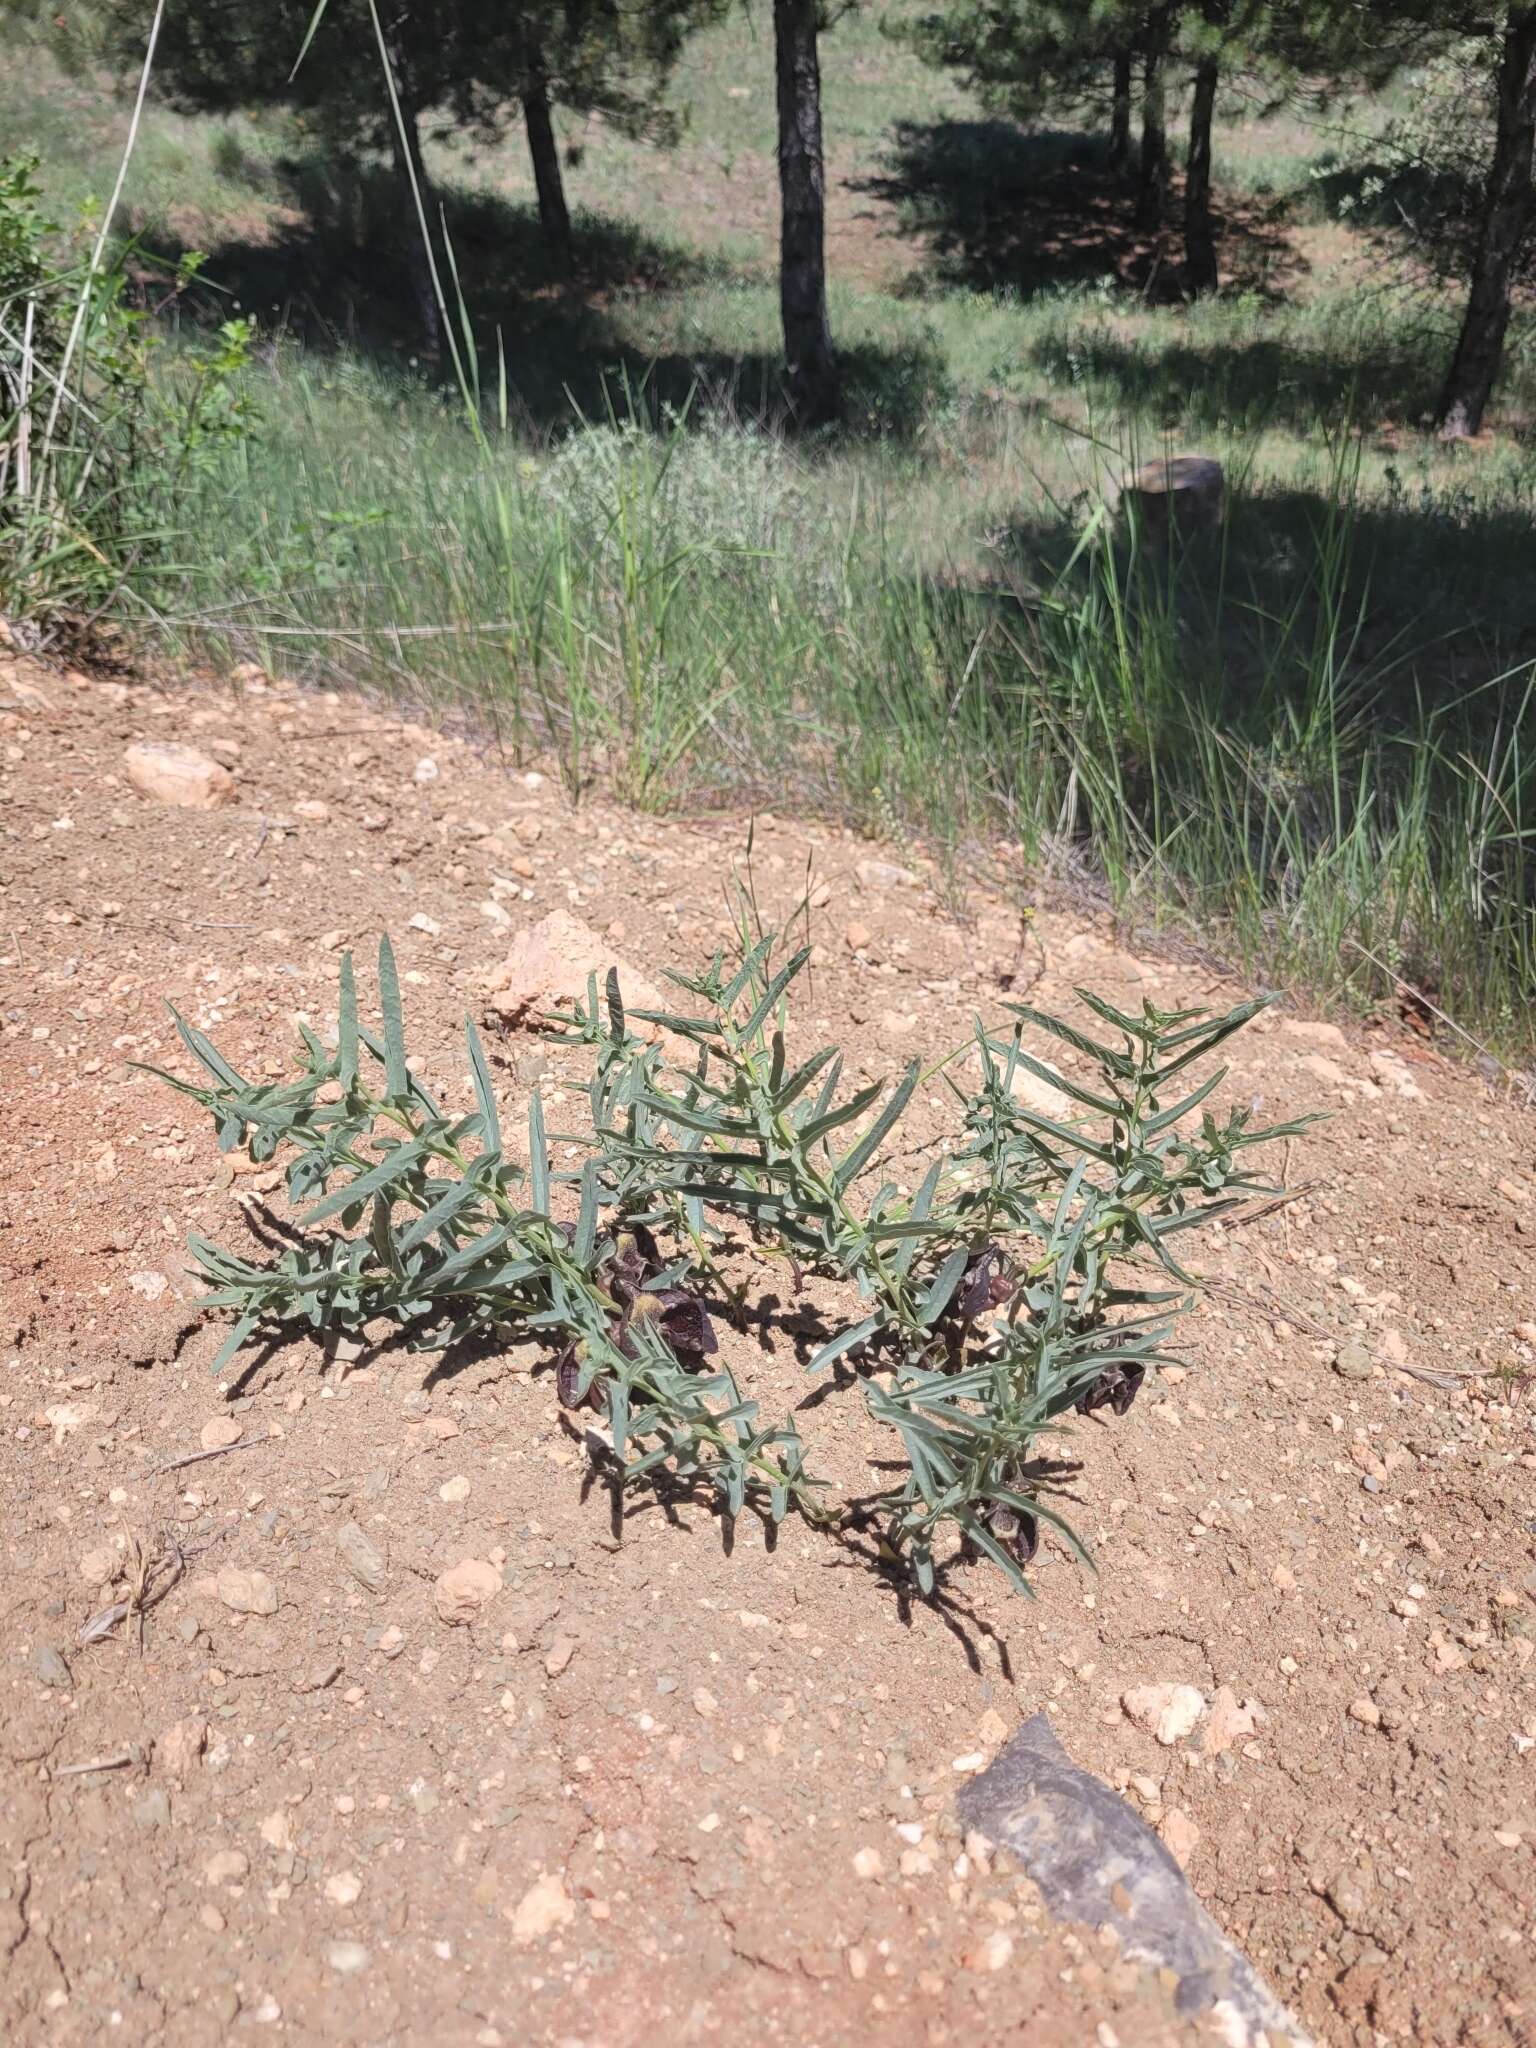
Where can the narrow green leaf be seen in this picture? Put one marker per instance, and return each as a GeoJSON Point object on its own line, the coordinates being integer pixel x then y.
{"type": "Point", "coordinates": [855, 1106]}
{"type": "Point", "coordinates": [538, 1155]}
{"type": "Point", "coordinates": [485, 1094]}
{"type": "Point", "coordinates": [853, 1163]}
{"type": "Point", "coordinates": [205, 1052]}
{"type": "Point", "coordinates": [235, 1340]}
{"type": "Point", "coordinates": [845, 1340]}
{"type": "Point", "coordinates": [774, 990]}
{"type": "Point", "coordinates": [402, 1161]}
{"type": "Point", "coordinates": [397, 1080]}
{"type": "Point", "coordinates": [941, 1290]}
{"type": "Point", "coordinates": [346, 1028]}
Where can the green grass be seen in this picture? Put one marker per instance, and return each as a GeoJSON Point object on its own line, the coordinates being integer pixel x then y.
{"type": "Point", "coordinates": [1306, 744]}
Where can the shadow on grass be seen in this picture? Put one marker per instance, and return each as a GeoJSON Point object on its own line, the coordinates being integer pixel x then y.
{"type": "Point", "coordinates": [1255, 383]}
{"type": "Point", "coordinates": [1416, 599]}
{"type": "Point", "coordinates": [1002, 209]}
{"type": "Point", "coordinates": [332, 268]}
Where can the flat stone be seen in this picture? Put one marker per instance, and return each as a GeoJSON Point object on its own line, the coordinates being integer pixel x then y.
{"type": "Point", "coordinates": [171, 773]}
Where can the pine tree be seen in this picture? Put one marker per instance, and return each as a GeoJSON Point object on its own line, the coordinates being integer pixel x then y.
{"type": "Point", "coordinates": [465, 67]}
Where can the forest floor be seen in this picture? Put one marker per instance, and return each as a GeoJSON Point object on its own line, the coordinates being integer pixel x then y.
{"type": "Point", "coordinates": [670, 1783]}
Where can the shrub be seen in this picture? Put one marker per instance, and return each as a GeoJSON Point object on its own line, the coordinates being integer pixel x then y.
{"type": "Point", "coordinates": [95, 447]}
{"type": "Point", "coordinates": [1026, 1278]}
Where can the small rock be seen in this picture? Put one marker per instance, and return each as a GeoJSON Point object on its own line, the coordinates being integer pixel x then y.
{"type": "Point", "coordinates": [100, 1567]}
{"type": "Point", "coordinates": [1168, 1712]}
{"type": "Point", "coordinates": [153, 1810]}
{"type": "Point", "coordinates": [544, 1907]}
{"type": "Point", "coordinates": [1179, 1835]}
{"type": "Point", "coordinates": [995, 1953]}
{"type": "Point", "coordinates": [704, 1703]}
{"type": "Point", "coordinates": [48, 1665]}
{"type": "Point", "coordinates": [858, 938]}
{"type": "Point", "coordinates": [220, 1432]}
{"type": "Point", "coordinates": [529, 830]}
{"type": "Point", "coordinates": [426, 770]}
{"type": "Point", "coordinates": [549, 965]}
{"type": "Point", "coordinates": [454, 1490]}
{"type": "Point", "coordinates": [885, 874]}
{"type": "Point", "coordinates": [226, 1866]}
{"type": "Point", "coordinates": [347, 1957]}
{"type": "Point", "coordinates": [868, 1864]}
{"type": "Point", "coordinates": [65, 1417]}
{"type": "Point", "coordinates": [362, 1557]}
{"type": "Point", "coordinates": [422, 923]}
{"type": "Point", "coordinates": [1314, 1033]}
{"type": "Point", "coordinates": [313, 810]}
{"type": "Point", "coordinates": [344, 1888]}
{"type": "Point", "coordinates": [1391, 1072]}
{"type": "Point", "coordinates": [275, 1830]}
{"type": "Point", "coordinates": [464, 1589]}
{"type": "Point", "coordinates": [1365, 1711]}
{"type": "Point", "coordinates": [1353, 1362]}
{"type": "Point", "coordinates": [178, 1747]}
{"type": "Point", "coordinates": [171, 773]}
{"type": "Point", "coordinates": [992, 1728]}
{"type": "Point", "coordinates": [246, 1592]}
{"type": "Point", "coordinates": [559, 1655]}
{"type": "Point", "coordinates": [1228, 1723]}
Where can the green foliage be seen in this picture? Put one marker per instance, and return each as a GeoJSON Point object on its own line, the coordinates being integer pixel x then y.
{"type": "Point", "coordinates": [95, 450]}
{"type": "Point", "coordinates": [465, 65]}
{"type": "Point", "coordinates": [1025, 1278]}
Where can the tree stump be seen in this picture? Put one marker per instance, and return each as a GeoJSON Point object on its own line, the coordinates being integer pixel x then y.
{"type": "Point", "coordinates": [1181, 495]}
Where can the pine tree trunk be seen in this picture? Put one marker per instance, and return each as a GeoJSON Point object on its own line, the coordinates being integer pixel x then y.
{"type": "Point", "coordinates": [554, 214]}
{"type": "Point", "coordinates": [1199, 229]}
{"type": "Point", "coordinates": [1152, 193]}
{"type": "Point", "coordinates": [809, 359]}
{"type": "Point", "coordinates": [1120, 112]}
{"type": "Point", "coordinates": [1505, 219]}
{"type": "Point", "coordinates": [405, 145]}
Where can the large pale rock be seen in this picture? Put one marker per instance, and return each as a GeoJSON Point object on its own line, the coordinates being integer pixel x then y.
{"type": "Point", "coordinates": [1167, 1712]}
{"type": "Point", "coordinates": [464, 1589]}
{"type": "Point", "coordinates": [1183, 493]}
{"type": "Point", "coordinates": [247, 1592]}
{"type": "Point", "coordinates": [549, 966]}
{"type": "Point", "coordinates": [542, 1909]}
{"type": "Point", "coordinates": [175, 774]}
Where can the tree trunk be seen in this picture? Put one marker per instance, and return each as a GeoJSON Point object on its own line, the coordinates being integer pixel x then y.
{"type": "Point", "coordinates": [1199, 230]}
{"type": "Point", "coordinates": [1152, 194]}
{"type": "Point", "coordinates": [1505, 217]}
{"type": "Point", "coordinates": [809, 359]}
{"type": "Point", "coordinates": [416, 186]}
{"type": "Point", "coordinates": [554, 215]}
{"type": "Point", "coordinates": [1120, 112]}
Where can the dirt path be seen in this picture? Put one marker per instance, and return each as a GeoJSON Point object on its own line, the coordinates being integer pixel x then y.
{"type": "Point", "coordinates": [637, 1796]}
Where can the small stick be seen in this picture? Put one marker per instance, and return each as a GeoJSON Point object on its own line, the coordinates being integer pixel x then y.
{"type": "Point", "coordinates": [197, 1457]}
{"type": "Point", "coordinates": [130, 1755]}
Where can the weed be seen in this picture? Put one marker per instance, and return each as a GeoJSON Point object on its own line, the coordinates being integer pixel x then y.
{"type": "Point", "coordinates": [1026, 1278]}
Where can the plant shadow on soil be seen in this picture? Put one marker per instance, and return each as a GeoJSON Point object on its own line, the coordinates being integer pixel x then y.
{"type": "Point", "coordinates": [333, 270]}
{"type": "Point", "coordinates": [1002, 209]}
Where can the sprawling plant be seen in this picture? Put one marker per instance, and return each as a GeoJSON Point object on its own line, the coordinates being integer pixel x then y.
{"type": "Point", "coordinates": [1025, 1277]}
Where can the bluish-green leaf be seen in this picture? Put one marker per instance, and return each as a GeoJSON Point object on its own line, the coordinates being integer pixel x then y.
{"type": "Point", "coordinates": [397, 1079]}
